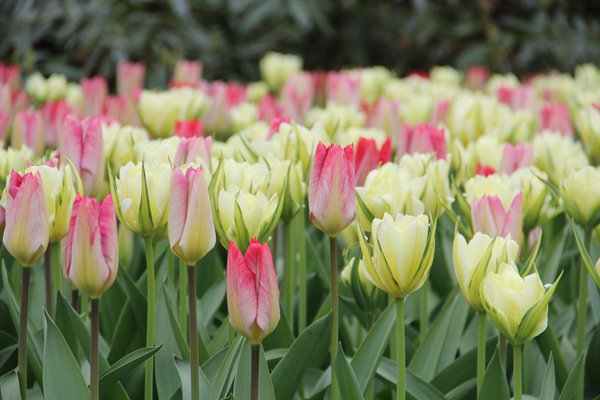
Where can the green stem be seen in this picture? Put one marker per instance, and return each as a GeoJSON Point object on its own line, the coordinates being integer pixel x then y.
{"type": "Point", "coordinates": [302, 314]}
{"type": "Point", "coordinates": [335, 311]}
{"type": "Point", "coordinates": [48, 280]}
{"type": "Point", "coordinates": [151, 314]}
{"type": "Point", "coordinates": [481, 336]}
{"type": "Point", "coordinates": [56, 267]}
{"type": "Point", "coordinates": [22, 360]}
{"type": "Point", "coordinates": [582, 314]}
{"type": "Point", "coordinates": [193, 332]}
{"type": "Point", "coordinates": [290, 269]}
{"type": "Point", "coordinates": [517, 374]}
{"type": "Point", "coordinates": [424, 317]}
{"type": "Point", "coordinates": [171, 262]}
{"type": "Point", "coordinates": [254, 371]}
{"type": "Point", "coordinates": [502, 349]}
{"type": "Point", "coordinates": [400, 348]}
{"type": "Point", "coordinates": [94, 372]}
{"type": "Point", "coordinates": [183, 297]}
{"type": "Point", "coordinates": [370, 391]}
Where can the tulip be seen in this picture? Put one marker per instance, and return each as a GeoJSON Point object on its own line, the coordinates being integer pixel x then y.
{"type": "Point", "coordinates": [364, 292]}
{"type": "Point", "coordinates": [193, 150]}
{"type": "Point", "coordinates": [484, 170]}
{"type": "Point", "coordinates": [276, 68]}
{"type": "Point", "coordinates": [2, 219]}
{"type": "Point", "coordinates": [187, 73]}
{"type": "Point", "coordinates": [130, 78]}
{"type": "Point", "coordinates": [439, 112]}
{"type": "Point", "coordinates": [191, 227]}
{"type": "Point", "coordinates": [5, 121]}
{"type": "Point", "coordinates": [42, 90]}
{"type": "Point", "coordinates": [491, 216]}
{"type": "Point", "coordinates": [587, 121]}
{"type": "Point", "coordinates": [516, 157]}
{"type": "Point", "coordinates": [538, 204]}
{"type": "Point", "coordinates": [189, 129]}
{"type": "Point", "coordinates": [331, 190]}
{"type": "Point", "coordinates": [257, 91]}
{"type": "Point", "coordinates": [580, 193]}
{"type": "Point", "coordinates": [368, 157]}
{"type": "Point", "coordinates": [82, 145]}
{"type": "Point", "coordinates": [28, 130]}
{"type": "Point", "coordinates": [557, 155]}
{"type": "Point", "coordinates": [445, 75]}
{"type": "Point", "coordinates": [10, 75]}
{"type": "Point", "coordinates": [95, 92]}
{"type": "Point", "coordinates": [385, 115]}
{"type": "Point", "coordinates": [422, 138]}
{"type": "Point", "coordinates": [12, 159]}
{"type": "Point", "coordinates": [297, 95]}
{"type": "Point", "coordinates": [476, 77]}
{"type": "Point", "coordinates": [54, 115]}
{"type": "Point", "coordinates": [120, 143]}
{"type": "Point", "coordinates": [270, 111]}
{"type": "Point", "coordinates": [157, 150]}
{"type": "Point", "coordinates": [343, 88]}
{"type": "Point", "coordinates": [555, 117]}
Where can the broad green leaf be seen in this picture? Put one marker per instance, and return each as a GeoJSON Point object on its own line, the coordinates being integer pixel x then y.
{"type": "Point", "coordinates": [549, 382]}
{"type": "Point", "coordinates": [126, 365]}
{"type": "Point", "coordinates": [367, 357]}
{"type": "Point", "coordinates": [136, 298]}
{"type": "Point", "coordinates": [59, 363]}
{"type": "Point", "coordinates": [180, 337]}
{"type": "Point", "coordinates": [592, 360]}
{"type": "Point", "coordinates": [225, 375]}
{"type": "Point", "coordinates": [549, 346]}
{"type": "Point", "coordinates": [570, 389]}
{"type": "Point", "coordinates": [416, 388]}
{"type": "Point", "coordinates": [309, 348]}
{"type": "Point", "coordinates": [585, 256]}
{"type": "Point", "coordinates": [125, 334]}
{"type": "Point", "coordinates": [183, 367]}
{"type": "Point", "coordinates": [9, 386]}
{"type": "Point", "coordinates": [494, 386]}
{"type": "Point", "coordinates": [347, 382]}
{"type": "Point", "coordinates": [241, 388]}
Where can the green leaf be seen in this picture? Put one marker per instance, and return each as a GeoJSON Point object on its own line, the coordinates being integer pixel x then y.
{"type": "Point", "coordinates": [585, 256]}
{"type": "Point", "coordinates": [309, 348]}
{"type": "Point", "coordinates": [59, 363]}
{"type": "Point", "coordinates": [494, 386]}
{"type": "Point", "coordinates": [570, 389]}
{"type": "Point", "coordinates": [592, 360]}
{"type": "Point", "coordinates": [347, 381]}
{"type": "Point", "coordinates": [367, 357]}
{"type": "Point", "coordinates": [241, 388]}
{"type": "Point", "coordinates": [183, 367]}
{"type": "Point", "coordinates": [224, 378]}
{"type": "Point", "coordinates": [416, 388]}
{"type": "Point", "coordinates": [126, 365]}
{"type": "Point", "coordinates": [9, 386]}
{"type": "Point", "coordinates": [549, 382]}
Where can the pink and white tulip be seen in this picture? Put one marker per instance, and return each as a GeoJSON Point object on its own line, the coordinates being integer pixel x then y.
{"type": "Point", "coordinates": [252, 291]}
{"type": "Point", "coordinates": [516, 157]}
{"type": "Point", "coordinates": [5, 121]}
{"type": "Point", "coordinates": [82, 144]}
{"type": "Point", "coordinates": [489, 216]}
{"type": "Point", "coordinates": [517, 98]}
{"type": "Point", "coordinates": [189, 129]}
{"type": "Point", "coordinates": [422, 138]}
{"type": "Point", "coordinates": [439, 112]}
{"type": "Point", "coordinates": [27, 230]}
{"type": "Point", "coordinates": [90, 252]}
{"type": "Point", "coordinates": [10, 74]}
{"type": "Point", "coordinates": [384, 115]}
{"type": "Point", "coordinates": [368, 157]}
{"type": "Point", "coordinates": [191, 227]}
{"type": "Point", "coordinates": [54, 115]}
{"type": "Point", "coordinates": [190, 149]}
{"type": "Point", "coordinates": [269, 109]}
{"type": "Point", "coordinates": [130, 78]}
{"type": "Point", "coordinates": [331, 196]}
{"type": "Point", "coordinates": [297, 95]}
{"type": "Point", "coordinates": [555, 117]}
{"type": "Point", "coordinates": [187, 73]}
{"type": "Point", "coordinates": [28, 130]}
{"type": "Point", "coordinates": [476, 77]}
{"type": "Point", "coordinates": [95, 92]}
{"type": "Point", "coordinates": [343, 88]}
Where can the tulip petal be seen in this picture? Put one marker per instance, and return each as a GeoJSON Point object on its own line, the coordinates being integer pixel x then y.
{"type": "Point", "coordinates": [241, 291]}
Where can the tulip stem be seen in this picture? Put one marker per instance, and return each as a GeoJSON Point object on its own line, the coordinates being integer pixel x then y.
{"type": "Point", "coordinates": [517, 374]}
{"type": "Point", "coordinates": [335, 316]}
{"type": "Point", "coordinates": [94, 373]}
{"type": "Point", "coordinates": [254, 371]}
{"type": "Point", "coordinates": [582, 313]}
{"type": "Point", "coordinates": [48, 280]}
{"type": "Point", "coordinates": [302, 271]}
{"type": "Point", "coordinates": [183, 307]}
{"type": "Point", "coordinates": [401, 351]}
{"type": "Point", "coordinates": [424, 318]}
{"type": "Point", "coordinates": [25, 271]}
{"type": "Point", "coordinates": [502, 349]}
{"type": "Point", "coordinates": [56, 267]}
{"type": "Point", "coordinates": [150, 320]}
{"type": "Point", "coordinates": [481, 336]}
{"type": "Point", "coordinates": [191, 270]}
{"type": "Point", "coordinates": [290, 269]}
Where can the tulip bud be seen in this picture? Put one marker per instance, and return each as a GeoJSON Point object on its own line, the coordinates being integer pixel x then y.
{"type": "Point", "coordinates": [120, 143]}
{"type": "Point", "coordinates": [368, 157]}
{"type": "Point", "coordinates": [473, 260]}
{"type": "Point", "coordinates": [364, 292]}
{"type": "Point", "coordinates": [193, 150]}
{"type": "Point", "coordinates": [557, 155]}
{"type": "Point", "coordinates": [130, 78]}
{"type": "Point", "coordinates": [331, 196]}
{"type": "Point", "coordinates": [28, 130]}
{"type": "Point", "coordinates": [298, 95]}
{"type": "Point", "coordinates": [343, 88]}
{"type": "Point", "coordinates": [95, 92]}
{"type": "Point", "coordinates": [157, 150]}
{"type": "Point", "coordinates": [26, 233]}
{"type": "Point", "coordinates": [476, 77]}
{"type": "Point", "coordinates": [257, 91]}
{"type": "Point", "coordinates": [491, 216]}
{"type": "Point", "coordinates": [276, 68]}
{"type": "Point", "coordinates": [580, 193]}
{"type": "Point", "coordinates": [90, 253]}
{"type": "Point", "coordinates": [402, 256]}
{"type": "Point", "coordinates": [422, 138]}
{"type": "Point", "coordinates": [445, 75]}
{"type": "Point", "coordinates": [82, 145]}
{"type": "Point", "coordinates": [435, 194]}
{"type": "Point", "coordinates": [587, 121]}
{"type": "Point", "coordinates": [54, 115]}
{"type": "Point", "coordinates": [555, 118]}
{"type": "Point", "coordinates": [10, 75]}
{"type": "Point", "coordinates": [252, 291]}
{"type": "Point", "coordinates": [141, 198]}
{"type": "Point", "coordinates": [191, 227]}
{"type": "Point", "coordinates": [516, 157]}
{"type": "Point", "coordinates": [12, 159]}
{"type": "Point", "coordinates": [517, 306]}
{"type": "Point", "coordinates": [187, 73]}
{"type": "Point", "coordinates": [538, 205]}
{"type": "Point", "coordinates": [59, 193]}
{"type": "Point", "coordinates": [385, 115]}
{"type": "Point", "coordinates": [189, 129]}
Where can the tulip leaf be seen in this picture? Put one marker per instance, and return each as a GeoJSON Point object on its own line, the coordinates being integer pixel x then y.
{"type": "Point", "coordinates": [549, 346]}
{"type": "Point", "coordinates": [270, 227]}
{"type": "Point", "coordinates": [549, 382]}
{"type": "Point", "coordinates": [243, 237]}
{"type": "Point", "coordinates": [530, 262]}
{"type": "Point", "coordinates": [9, 386]}
{"type": "Point", "coordinates": [145, 211]}
{"type": "Point", "coordinates": [308, 349]}
{"type": "Point", "coordinates": [78, 182]}
{"type": "Point", "coordinates": [363, 208]}
{"type": "Point", "coordinates": [371, 350]}
{"type": "Point", "coordinates": [183, 367]}
{"type": "Point", "coordinates": [126, 364]}
{"type": "Point", "coordinates": [241, 388]}
{"type": "Point", "coordinates": [585, 256]}
{"type": "Point", "coordinates": [225, 374]}
{"type": "Point", "coordinates": [494, 386]}
{"type": "Point", "coordinates": [213, 191]}
{"type": "Point", "coordinates": [592, 360]}
{"type": "Point", "coordinates": [347, 382]}
{"type": "Point", "coordinates": [58, 364]}
{"type": "Point", "coordinates": [416, 388]}
{"type": "Point", "coordinates": [569, 392]}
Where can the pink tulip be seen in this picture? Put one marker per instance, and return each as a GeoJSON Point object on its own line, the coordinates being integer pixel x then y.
{"type": "Point", "coordinates": [331, 197]}
{"type": "Point", "coordinates": [484, 170]}
{"type": "Point", "coordinates": [297, 95]}
{"type": "Point", "coordinates": [27, 230]}
{"type": "Point", "coordinates": [555, 117]}
{"type": "Point", "coordinates": [384, 115]}
{"type": "Point", "coordinates": [516, 157]}
{"type": "Point", "coordinates": [319, 83]}
{"type": "Point", "coordinates": [476, 77]}
{"type": "Point", "coordinates": [54, 115]}
{"type": "Point", "coordinates": [10, 75]}
{"type": "Point", "coordinates": [276, 124]}
{"type": "Point", "coordinates": [489, 216]}
{"type": "Point", "coordinates": [517, 98]}
{"type": "Point", "coordinates": [439, 112]}
{"type": "Point", "coordinates": [225, 96]}
{"type": "Point", "coordinates": [422, 138]}
{"type": "Point", "coordinates": [191, 227]}
{"type": "Point", "coordinates": [12, 101]}
{"type": "Point", "coordinates": [187, 73]}
{"type": "Point", "coordinates": [82, 144]}
{"type": "Point", "coordinates": [28, 130]}
{"type": "Point", "coordinates": [2, 220]}
{"type": "Point", "coordinates": [130, 77]}
{"type": "Point", "coordinates": [90, 251]}
{"type": "Point", "coordinates": [368, 157]}
{"type": "Point", "coordinates": [190, 149]}
{"type": "Point", "coordinates": [116, 107]}
{"type": "Point", "coordinates": [189, 129]}
{"type": "Point", "coordinates": [95, 92]}
{"type": "Point", "coordinates": [252, 291]}
{"type": "Point", "coordinates": [343, 88]}
{"type": "Point", "coordinates": [269, 109]}
{"type": "Point", "coordinates": [5, 121]}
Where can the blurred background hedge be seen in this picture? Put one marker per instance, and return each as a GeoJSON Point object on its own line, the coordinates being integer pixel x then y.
{"type": "Point", "coordinates": [79, 37]}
